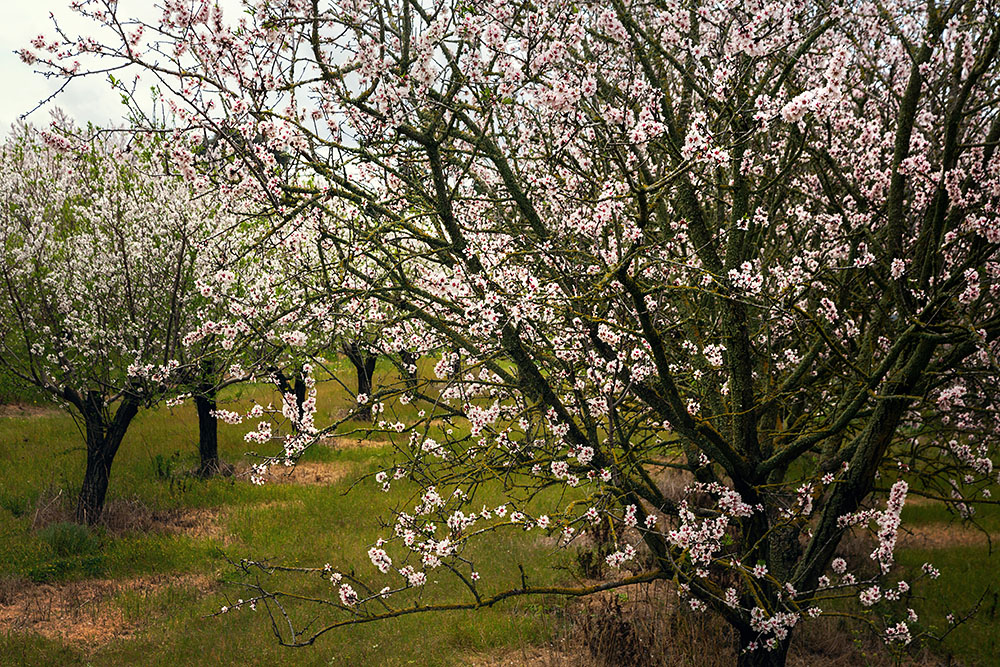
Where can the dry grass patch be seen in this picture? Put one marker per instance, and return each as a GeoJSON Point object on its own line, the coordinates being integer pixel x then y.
{"type": "Point", "coordinates": [319, 473]}
{"type": "Point", "coordinates": [338, 442]}
{"type": "Point", "coordinates": [858, 545]}
{"type": "Point", "coordinates": [279, 504]}
{"type": "Point", "coordinates": [671, 481]}
{"type": "Point", "coordinates": [526, 656]}
{"type": "Point", "coordinates": [122, 516]}
{"type": "Point", "coordinates": [943, 536]}
{"type": "Point", "coordinates": [83, 612]}
{"type": "Point", "coordinates": [204, 523]}
{"type": "Point", "coordinates": [27, 410]}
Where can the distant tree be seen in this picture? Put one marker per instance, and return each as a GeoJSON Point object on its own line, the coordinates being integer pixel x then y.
{"type": "Point", "coordinates": [98, 246]}
{"type": "Point", "coordinates": [215, 352]}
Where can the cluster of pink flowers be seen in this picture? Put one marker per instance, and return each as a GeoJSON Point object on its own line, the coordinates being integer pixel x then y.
{"type": "Point", "coordinates": [888, 524]}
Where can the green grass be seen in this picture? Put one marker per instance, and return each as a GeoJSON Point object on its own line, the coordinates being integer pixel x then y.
{"type": "Point", "coordinates": [43, 458]}
{"type": "Point", "coordinates": [293, 524]}
{"type": "Point", "coordinates": [968, 576]}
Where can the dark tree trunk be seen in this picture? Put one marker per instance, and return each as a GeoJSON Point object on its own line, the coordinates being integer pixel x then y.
{"type": "Point", "coordinates": [104, 437]}
{"type": "Point", "coordinates": [364, 366]}
{"type": "Point", "coordinates": [208, 425]}
{"type": "Point", "coordinates": [456, 366]}
{"type": "Point", "coordinates": [297, 388]}
{"type": "Point", "coordinates": [409, 368]}
{"type": "Point", "coordinates": [208, 433]}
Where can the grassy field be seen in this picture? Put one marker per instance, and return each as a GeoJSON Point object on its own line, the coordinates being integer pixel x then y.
{"type": "Point", "coordinates": [162, 566]}
{"type": "Point", "coordinates": [969, 561]}
{"type": "Point", "coordinates": [143, 589]}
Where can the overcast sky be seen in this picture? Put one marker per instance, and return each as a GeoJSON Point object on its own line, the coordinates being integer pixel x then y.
{"type": "Point", "coordinates": [84, 99]}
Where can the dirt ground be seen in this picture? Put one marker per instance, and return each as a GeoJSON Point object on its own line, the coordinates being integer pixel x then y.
{"type": "Point", "coordinates": [27, 410]}
{"type": "Point", "coordinates": [82, 612]}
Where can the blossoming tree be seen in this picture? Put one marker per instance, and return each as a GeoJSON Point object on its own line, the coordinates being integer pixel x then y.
{"type": "Point", "coordinates": [98, 247]}
{"type": "Point", "coordinates": [755, 241]}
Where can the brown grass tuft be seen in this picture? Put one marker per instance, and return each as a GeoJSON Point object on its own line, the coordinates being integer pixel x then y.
{"type": "Point", "coordinates": [129, 515]}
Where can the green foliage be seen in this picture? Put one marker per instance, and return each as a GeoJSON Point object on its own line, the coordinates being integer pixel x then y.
{"type": "Point", "coordinates": [164, 467]}
{"type": "Point", "coordinates": [15, 391]}
{"type": "Point", "coordinates": [74, 553]}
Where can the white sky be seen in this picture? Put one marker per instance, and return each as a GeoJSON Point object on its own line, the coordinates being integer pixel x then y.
{"type": "Point", "coordinates": [86, 98]}
{"type": "Point", "coordinates": [89, 99]}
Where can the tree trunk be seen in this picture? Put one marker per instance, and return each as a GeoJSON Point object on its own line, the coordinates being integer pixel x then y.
{"type": "Point", "coordinates": [104, 437]}
{"type": "Point", "coordinates": [297, 388]}
{"type": "Point", "coordinates": [208, 433]}
{"type": "Point", "coordinates": [455, 373]}
{"type": "Point", "coordinates": [364, 366]}
{"type": "Point", "coordinates": [208, 425]}
{"type": "Point", "coordinates": [409, 368]}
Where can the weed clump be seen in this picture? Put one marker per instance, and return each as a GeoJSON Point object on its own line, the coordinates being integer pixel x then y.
{"type": "Point", "coordinates": [69, 539]}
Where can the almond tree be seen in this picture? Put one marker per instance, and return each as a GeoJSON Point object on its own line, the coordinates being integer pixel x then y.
{"type": "Point", "coordinates": [98, 247]}
{"type": "Point", "coordinates": [756, 241]}
{"type": "Point", "coordinates": [212, 355]}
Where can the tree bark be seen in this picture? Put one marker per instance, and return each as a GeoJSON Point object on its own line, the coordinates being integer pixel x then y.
{"type": "Point", "coordinates": [297, 388]}
{"type": "Point", "coordinates": [104, 437]}
{"type": "Point", "coordinates": [364, 366]}
{"type": "Point", "coordinates": [208, 426]}
{"type": "Point", "coordinates": [409, 362]}
{"type": "Point", "coordinates": [208, 434]}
